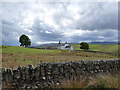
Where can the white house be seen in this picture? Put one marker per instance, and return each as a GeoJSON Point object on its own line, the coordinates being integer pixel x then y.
{"type": "Point", "coordinates": [65, 47]}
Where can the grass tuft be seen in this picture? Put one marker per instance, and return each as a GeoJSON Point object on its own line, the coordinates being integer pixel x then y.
{"type": "Point", "coordinates": [105, 81]}
{"type": "Point", "coordinates": [99, 81]}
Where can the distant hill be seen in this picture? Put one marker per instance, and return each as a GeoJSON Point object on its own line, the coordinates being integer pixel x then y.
{"type": "Point", "coordinates": [73, 43]}
{"type": "Point", "coordinates": [103, 42]}
{"type": "Point", "coordinates": [44, 45]}
{"type": "Point", "coordinates": [51, 45]}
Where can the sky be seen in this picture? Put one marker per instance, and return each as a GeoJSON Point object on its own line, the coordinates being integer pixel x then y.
{"type": "Point", "coordinates": [49, 22]}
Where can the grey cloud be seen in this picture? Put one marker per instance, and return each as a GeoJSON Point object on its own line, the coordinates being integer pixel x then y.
{"type": "Point", "coordinates": [101, 17]}
{"type": "Point", "coordinates": [11, 32]}
{"type": "Point", "coordinates": [107, 35]}
{"type": "Point", "coordinates": [45, 32]}
{"type": "Point", "coordinates": [93, 16]}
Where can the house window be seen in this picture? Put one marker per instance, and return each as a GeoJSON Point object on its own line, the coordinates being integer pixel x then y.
{"type": "Point", "coordinates": [67, 47]}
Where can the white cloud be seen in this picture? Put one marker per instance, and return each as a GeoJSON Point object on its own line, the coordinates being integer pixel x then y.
{"type": "Point", "coordinates": [50, 22]}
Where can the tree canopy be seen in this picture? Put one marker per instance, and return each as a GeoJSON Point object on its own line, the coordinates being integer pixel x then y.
{"type": "Point", "coordinates": [84, 45]}
{"type": "Point", "coordinates": [24, 40]}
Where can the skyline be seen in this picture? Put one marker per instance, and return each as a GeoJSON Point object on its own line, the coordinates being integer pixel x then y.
{"type": "Point", "coordinates": [53, 21]}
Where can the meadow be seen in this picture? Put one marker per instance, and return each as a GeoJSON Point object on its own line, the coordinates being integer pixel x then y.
{"type": "Point", "coordinates": [101, 48]}
{"type": "Point", "coordinates": [13, 56]}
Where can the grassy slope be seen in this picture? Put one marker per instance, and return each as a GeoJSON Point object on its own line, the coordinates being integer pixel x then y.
{"type": "Point", "coordinates": [101, 48]}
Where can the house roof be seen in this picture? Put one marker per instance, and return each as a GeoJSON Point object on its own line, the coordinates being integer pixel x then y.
{"type": "Point", "coordinates": [63, 44]}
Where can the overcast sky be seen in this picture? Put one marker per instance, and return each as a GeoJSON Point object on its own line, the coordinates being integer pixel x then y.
{"type": "Point", "coordinates": [54, 21]}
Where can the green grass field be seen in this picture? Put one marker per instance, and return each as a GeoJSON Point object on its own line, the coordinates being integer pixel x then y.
{"type": "Point", "coordinates": [13, 56]}
{"type": "Point", "coordinates": [14, 49]}
{"type": "Point", "coordinates": [101, 48]}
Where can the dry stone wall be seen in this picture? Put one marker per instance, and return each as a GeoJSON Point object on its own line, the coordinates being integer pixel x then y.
{"type": "Point", "coordinates": [44, 74]}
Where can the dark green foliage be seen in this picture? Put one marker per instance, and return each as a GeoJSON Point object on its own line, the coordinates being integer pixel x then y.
{"type": "Point", "coordinates": [84, 45]}
{"type": "Point", "coordinates": [3, 46]}
{"type": "Point", "coordinates": [24, 40]}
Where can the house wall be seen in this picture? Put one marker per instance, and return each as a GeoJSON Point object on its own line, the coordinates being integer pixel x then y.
{"type": "Point", "coordinates": [44, 74]}
{"type": "Point", "coordinates": [63, 48]}
{"type": "Point", "coordinates": [71, 48]}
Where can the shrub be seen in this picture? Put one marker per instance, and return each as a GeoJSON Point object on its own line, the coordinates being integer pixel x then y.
{"type": "Point", "coordinates": [84, 45]}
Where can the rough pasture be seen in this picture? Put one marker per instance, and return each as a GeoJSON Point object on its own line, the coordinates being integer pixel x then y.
{"type": "Point", "coordinates": [14, 56]}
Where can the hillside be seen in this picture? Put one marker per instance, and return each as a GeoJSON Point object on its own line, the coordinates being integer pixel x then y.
{"type": "Point", "coordinates": [100, 47]}
{"type": "Point", "coordinates": [113, 43]}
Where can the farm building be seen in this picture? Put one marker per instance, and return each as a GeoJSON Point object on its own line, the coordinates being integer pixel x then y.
{"type": "Point", "coordinates": [65, 46]}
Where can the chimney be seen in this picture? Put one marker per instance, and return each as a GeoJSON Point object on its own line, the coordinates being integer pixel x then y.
{"type": "Point", "coordinates": [59, 42]}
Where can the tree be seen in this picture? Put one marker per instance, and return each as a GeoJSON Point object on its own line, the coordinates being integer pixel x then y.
{"type": "Point", "coordinates": [24, 40]}
{"type": "Point", "coordinates": [84, 45]}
